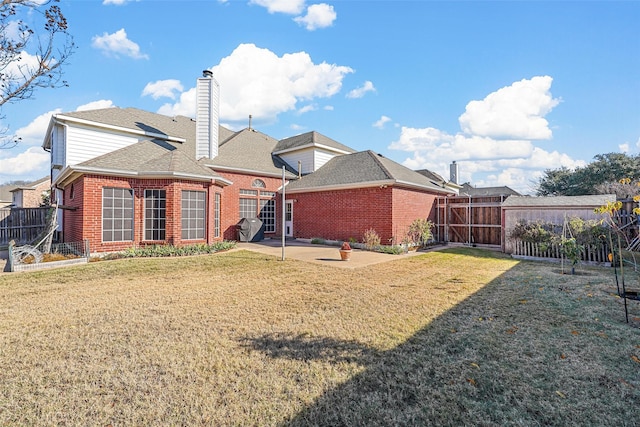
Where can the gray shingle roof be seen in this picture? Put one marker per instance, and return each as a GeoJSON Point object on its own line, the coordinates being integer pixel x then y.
{"type": "Point", "coordinates": [468, 190]}
{"type": "Point", "coordinates": [149, 158]}
{"type": "Point", "coordinates": [362, 168]}
{"type": "Point", "coordinates": [309, 138]}
{"type": "Point", "coordinates": [591, 201]}
{"type": "Point", "coordinates": [249, 151]}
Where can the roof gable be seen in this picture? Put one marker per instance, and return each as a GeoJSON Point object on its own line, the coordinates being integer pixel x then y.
{"type": "Point", "coordinates": [249, 151]}
{"type": "Point", "coordinates": [310, 139]}
{"type": "Point", "coordinates": [362, 169]}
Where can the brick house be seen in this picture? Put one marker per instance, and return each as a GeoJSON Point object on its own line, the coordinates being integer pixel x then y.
{"type": "Point", "coordinates": [127, 177]}
{"type": "Point", "coordinates": [31, 195]}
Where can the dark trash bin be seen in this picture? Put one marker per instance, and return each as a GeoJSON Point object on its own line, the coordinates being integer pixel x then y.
{"type": "Point", "coordinates": [250, 230]}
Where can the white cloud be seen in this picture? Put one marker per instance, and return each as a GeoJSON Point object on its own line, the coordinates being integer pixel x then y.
{"type": "Point", "coordinates": [307, 108]}
{"type": "Point", "coordinates": [381, 122]}
{"type": "Point", "coordinates": [96, 105]}
{"type": "Point", "coordinates": [319, 15]}
{"type": "Point", "coordinates": [32, 163]}
{"type": "Point", "coordinates": [513, 112]}
{"type": "Point", "coordinates": [361, 91]}
{"type": "Point", "coordinates": [117, 2]}
{"type": "Point", "coordinates": [291, 7]}
{"type": "Point", "coordinates": [117, 44]}
{"type": "Point", "coordinates": [624, 148]}
{"type": "Point", "coordinates": [33, 133]}
{"type": "Point", "coordinates": [258, 82]}
{"type": "Point", "coordinates": [163, 88]}
{"type": "Point", "coordinates": [495, 146]}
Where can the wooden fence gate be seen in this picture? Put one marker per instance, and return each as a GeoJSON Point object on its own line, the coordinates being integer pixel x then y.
{"type": "Point", "coordinates": [473, 220]}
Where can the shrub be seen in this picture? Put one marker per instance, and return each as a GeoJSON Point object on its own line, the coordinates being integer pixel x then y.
{"type": "Point", "coordinates": [345, 246]}
{"type": "Point", "coordinates": [420, 231]}
{"type": "Point", "coordinates": [317, 241]}
{"type": "Point", "coordinates": [371, 239]}
{"type": "Point", "coordinates": [170, 250]}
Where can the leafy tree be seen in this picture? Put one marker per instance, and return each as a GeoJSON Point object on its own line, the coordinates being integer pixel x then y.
{"type": "Point", "coordinates": [31, 55]}
{"type": "Point", "coordinates": [591, 179]}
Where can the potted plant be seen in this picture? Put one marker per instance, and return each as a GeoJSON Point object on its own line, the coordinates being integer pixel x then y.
{"type": "Point", "coordinates": [345, 251]}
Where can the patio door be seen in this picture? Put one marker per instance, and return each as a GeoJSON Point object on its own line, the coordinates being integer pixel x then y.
{"type": "Point", "coordinates": [288, 218]}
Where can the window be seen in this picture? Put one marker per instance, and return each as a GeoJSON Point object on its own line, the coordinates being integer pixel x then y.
{"type": "Point", "coordinates": [248, 208]}
{"type": "Point", "coordinates": [216, 215]}
{"type": "Point", "coordinates": [268, 214]}
{"type": "Point", "coordinates": [265, 200]}
{"type": "Point", "coordinates": [193, 215]}
{"type": "Point", "coordinates": [258, 183]}
{"type": "Point", "coordinates": [155, 213]}
{"type": "Point", "coordinates": [117, 214]}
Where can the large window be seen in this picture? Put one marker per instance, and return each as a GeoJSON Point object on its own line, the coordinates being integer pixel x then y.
{"type": "Point", "coordinates": [194, 215]}
{"type": "Point", "coordinates": [155, 213]}
{"type": "Point", "coordinates": [259, 204]}
{"type": "Point", "coordinates": [117, 214]}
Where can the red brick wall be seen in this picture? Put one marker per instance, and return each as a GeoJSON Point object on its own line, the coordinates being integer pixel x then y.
{"type": "Point", "coordinates": [344, 214]}
{"type": "Point", "coordinates": [409, 205]}
{"type": "Point", "coordinates": [231, 201]}
{"type": "Point", "coordinates": [86, 221]}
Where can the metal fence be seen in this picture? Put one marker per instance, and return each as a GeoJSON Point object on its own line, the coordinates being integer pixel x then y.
{"type": "Point", "coordinates": [27, 257]}
{"type": "Point", "coordinates": [22, 225]}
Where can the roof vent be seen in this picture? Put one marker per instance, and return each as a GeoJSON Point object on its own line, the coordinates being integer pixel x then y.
{"type": "Point", "coordinates": [207, 73]}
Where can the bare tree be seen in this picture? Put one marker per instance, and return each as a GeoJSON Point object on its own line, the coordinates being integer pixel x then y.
{"type": "Point", "coordinates": [31, 55]}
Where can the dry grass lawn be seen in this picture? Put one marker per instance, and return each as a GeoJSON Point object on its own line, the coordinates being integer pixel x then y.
{"type": "Point", "coordinates": [456, 337]}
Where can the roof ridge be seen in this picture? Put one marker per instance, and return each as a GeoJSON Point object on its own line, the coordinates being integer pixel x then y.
{"type": "Point", "coordinates": [379, 162]}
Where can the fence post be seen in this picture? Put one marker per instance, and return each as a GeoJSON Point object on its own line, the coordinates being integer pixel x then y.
{"type": "Point", "coordinates": [10, 260]}
{"type": "Point", "coordinates": [86, 248]}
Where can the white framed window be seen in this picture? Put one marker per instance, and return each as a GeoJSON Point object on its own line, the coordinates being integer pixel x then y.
{"type": "Point", "coordinates": [248, 208]}
{"type": "Point", "coordinates": [117, 214]}
{"type": "Point", "coordinates": [216, 215]}
{"type": "Point", "coordinates": [194, 214]}
{"type": "Point", "coordinates": [259, 204]}
{"type": "Point", "coordinates": [155, 214]}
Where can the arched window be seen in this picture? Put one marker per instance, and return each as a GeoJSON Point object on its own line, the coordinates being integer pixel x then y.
{"type": "Point", "coordinates": [258, 183]}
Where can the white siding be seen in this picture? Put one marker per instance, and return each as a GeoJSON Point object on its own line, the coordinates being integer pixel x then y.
{"type": "Point", "coordinates": [207, 106]}
{"type": "Point", "coordinates": [322, 157]}
{"type": "Point", "coordinates": [306, 156]}
{"type": "Point", "coordinates": [85, 143]}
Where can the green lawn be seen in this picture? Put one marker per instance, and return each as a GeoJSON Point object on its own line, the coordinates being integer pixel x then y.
{"type": "Point", "coordinates": [454, 337]}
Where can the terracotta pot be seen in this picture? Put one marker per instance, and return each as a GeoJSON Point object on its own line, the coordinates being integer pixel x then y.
{"type": "Point", "coordinates": [345, 255]}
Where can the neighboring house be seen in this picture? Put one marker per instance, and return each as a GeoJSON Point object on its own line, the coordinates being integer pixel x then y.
{"type": "Point", "coordinates": [128, 177]}
{"type": "Point", "coordinates": [31, 195]}
{"type": "Point", "coordinates": [467, 190]}
{"type": "Point", "coordinates": [6, 196]}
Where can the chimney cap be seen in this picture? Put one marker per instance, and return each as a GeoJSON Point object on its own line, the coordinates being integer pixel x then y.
{"type": "Point", "coordinates": [207, 73]}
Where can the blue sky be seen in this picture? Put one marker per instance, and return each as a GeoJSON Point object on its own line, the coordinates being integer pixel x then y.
{"type": "Point", "coordinates": [506, 89]}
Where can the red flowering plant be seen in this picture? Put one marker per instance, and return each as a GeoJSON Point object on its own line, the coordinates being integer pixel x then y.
{"type": "Point", "coordinates": [346, 246]}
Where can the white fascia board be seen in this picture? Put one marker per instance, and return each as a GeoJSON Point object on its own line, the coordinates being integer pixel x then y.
{"type": "Point", "coordinates": [424, 187]}
{"type": "Point", "coordinates": [311, 145]}
{"type": "Point", "coordinates": [71, 170]}
{"type": "Point", "coordinates": [351, 186]}
{"type": "Point", "coordinates": [47, 136]}
{"type": "Point", "coordinates": [59, 117]}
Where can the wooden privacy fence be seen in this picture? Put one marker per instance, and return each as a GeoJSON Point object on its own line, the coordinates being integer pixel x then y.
{"type": "Point", "coordinates": [23, 225]}
{"type": "Point", "coordinates": [591, 253]}
{"type": "Point", "coordinates": [474, 220]}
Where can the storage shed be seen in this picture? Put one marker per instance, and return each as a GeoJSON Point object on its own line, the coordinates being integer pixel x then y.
{"type": "Point", "coordinates": [548, 209]}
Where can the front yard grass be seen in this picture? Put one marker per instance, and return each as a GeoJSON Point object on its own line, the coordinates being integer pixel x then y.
{"type": "Point", "coordinates": [455, 337]}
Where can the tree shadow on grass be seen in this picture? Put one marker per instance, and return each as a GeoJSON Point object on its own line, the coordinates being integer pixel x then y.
{"type": "Point", "coordinates": [305, 348]}
{"type": "Point", "coordinates": [497, 358]}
